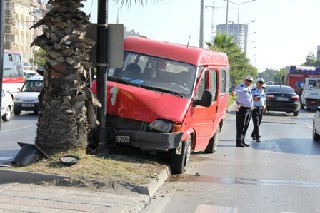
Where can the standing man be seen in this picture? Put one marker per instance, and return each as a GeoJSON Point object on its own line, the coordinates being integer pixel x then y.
{"type": "Point", "coordinates": [244, 107]}
{"type": "Point", "coordinates": [259, 97]}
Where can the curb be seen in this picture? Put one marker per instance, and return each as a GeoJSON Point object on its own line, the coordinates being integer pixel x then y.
{"type": "Point", "coordinates": [11, 175]}
{"type": "Point", "coordinates": [151, 188]}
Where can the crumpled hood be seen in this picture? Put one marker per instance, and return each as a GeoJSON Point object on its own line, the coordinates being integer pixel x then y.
{"type": "Point", "coordinates": [136, 103]}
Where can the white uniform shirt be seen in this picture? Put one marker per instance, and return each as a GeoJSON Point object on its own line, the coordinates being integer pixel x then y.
{"type": "Point", "coordinates": [244, 96]}
{"type": "Point", "coordinates": [258, 93]}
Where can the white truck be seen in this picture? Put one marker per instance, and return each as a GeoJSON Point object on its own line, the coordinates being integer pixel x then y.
{"type": "Point", "coordinates": [310, 97]}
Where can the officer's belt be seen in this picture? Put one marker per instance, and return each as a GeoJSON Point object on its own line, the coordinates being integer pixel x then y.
{"type": "Point", "coordinates": [258, 107]}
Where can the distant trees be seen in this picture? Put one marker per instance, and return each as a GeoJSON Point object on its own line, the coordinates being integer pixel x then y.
{"type": "Point", "coordinates": [311, 60]}
{"type": "Point", "coordinates": [239, 65]}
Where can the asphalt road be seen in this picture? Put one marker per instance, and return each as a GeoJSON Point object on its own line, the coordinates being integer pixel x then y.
{"type": "Point", "coordinates": [21, 128]}
{"type": "Point", "coordinates": [279, 174]}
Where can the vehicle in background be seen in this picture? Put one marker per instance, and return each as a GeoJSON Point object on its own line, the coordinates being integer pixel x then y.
{"type": "Point", "coordinates": [6, 106]}
{"type": "Point", "coordinates": [13, 78]}
{"type": "Point", "coordinates": [167, 97]}
{"type": "Point", "coordinates": [282, 98]}
{"type": "Point", "coordinates": [296, 75]}
{"type": "Point", "coordinates": [29, 73]}
{"type": "Point", "coordinates": [316, 126]}
{"type": "Point", "coordinates": [27, 99]}
{"type": "Point", "coordinates": [310, 97]}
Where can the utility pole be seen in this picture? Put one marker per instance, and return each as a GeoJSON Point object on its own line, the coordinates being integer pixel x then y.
{"type": "Point", "coordinates": [102, 68]}
{"type": "Point", "coordinates": [201, 39]}
{"type": "Point", "coordinates": [227, 19]}
{"type": "Point", "coordinates": [1, 46]}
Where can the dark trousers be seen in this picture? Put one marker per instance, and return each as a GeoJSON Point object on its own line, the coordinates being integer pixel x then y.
{"type": "Point", "coordinates": [243, 117]}
{"type": "Point", "coordinates": [256, 119]}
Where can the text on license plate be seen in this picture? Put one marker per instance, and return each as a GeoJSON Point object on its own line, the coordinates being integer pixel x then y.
{"type": "Point", "coordinates": [122, 139]}
{"type": "Point", "coordinates": [27, 105]}
{"type": "Point", "coordinates": [282, 99]}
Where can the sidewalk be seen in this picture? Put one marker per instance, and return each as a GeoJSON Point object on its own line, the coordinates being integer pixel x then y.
{"type": "Point", "coordinates": [26, 192]}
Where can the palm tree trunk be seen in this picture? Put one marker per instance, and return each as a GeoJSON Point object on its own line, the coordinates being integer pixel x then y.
{"type": "Point", "coordinates": [66, 104]}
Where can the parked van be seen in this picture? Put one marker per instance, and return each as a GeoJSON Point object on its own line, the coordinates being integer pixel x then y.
{"type": "Point", "coordinates": [167, 97]}
{"type": "Point", "coordinates": [310, 97]}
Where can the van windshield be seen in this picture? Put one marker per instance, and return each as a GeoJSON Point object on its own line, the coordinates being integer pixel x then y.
{"type": "Point", "coordinates": [32, 86]}
{"type": "Point", "coordinates": [156, 73]}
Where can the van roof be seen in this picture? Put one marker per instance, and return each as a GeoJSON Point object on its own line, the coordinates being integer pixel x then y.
{"type": "Point", "coordinates": [192, 55]}
{"type": "Point", "coordinates": [36, 77]}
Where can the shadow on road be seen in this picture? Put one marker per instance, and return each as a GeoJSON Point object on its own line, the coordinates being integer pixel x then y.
{"type": "Point", "coordinates": [289, 145]}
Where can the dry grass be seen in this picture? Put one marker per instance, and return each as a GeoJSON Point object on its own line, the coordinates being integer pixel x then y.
{"type": "Point", "coordinates": [131, 166]}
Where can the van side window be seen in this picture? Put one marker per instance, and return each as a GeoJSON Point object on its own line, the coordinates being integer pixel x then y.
{"type": "Point", "coordinates": [224, 82]}
{"type": "Point", "coordinates": [202, 87]}
{"type": "Point", "coordinates": [213, 84]}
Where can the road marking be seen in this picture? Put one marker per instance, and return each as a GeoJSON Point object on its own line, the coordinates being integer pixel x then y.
{"type": "Point", "coordinates": [204, 208]}
{"type": "Point", "coordinates": [25, 127]}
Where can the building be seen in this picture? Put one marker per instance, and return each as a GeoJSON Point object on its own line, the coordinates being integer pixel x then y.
{"type": "Point", "coordinates": [20, 15]}
{"type": "Point", "coordinates": [318, 52]}
{"type": "Point", "coordinates": [239, 33]}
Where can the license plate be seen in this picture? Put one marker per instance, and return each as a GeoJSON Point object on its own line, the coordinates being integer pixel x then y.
{"type": "Point", "coordinates": [27, 105]}
{"type": "Point", "coordinates": [282, 99]}
{"type": "Point", "coordinates": [122, 139]}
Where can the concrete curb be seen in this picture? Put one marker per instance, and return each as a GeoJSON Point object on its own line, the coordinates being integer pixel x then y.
{"type": "Point", "coordinates": [151, 188]}
{"type": "Point", "coordinates": [11, 175]}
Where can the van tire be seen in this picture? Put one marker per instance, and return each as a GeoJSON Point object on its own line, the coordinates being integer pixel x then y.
{"type": "Point", "coordinates": [213, 142]}
{"type": "Point", "coordinates": [179, 162]}
{"type": "Point", "coordinates": [16, 112]}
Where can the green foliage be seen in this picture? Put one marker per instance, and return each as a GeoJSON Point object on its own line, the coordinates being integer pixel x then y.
{"type": "Point", "coordinates": [239, 64]}
{"type": "Point", "coordinates": [273, 75]}
{"type": "Point", "coordinates": [311, 60]}
{"type": "Point", "coordinates": [39, 57]}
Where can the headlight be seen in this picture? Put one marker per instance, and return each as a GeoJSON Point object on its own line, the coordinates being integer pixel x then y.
{"type": "Point", "coordinates": [161, 125]}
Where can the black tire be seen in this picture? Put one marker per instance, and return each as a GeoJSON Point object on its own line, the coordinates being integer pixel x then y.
{"type": "Point", "coordinates": [16, 112]}
{"type": "Point", "coordinates": [178, 162]}
{"type": "Point", "coordinates": [7, 114]}
{"type": "Point", "coordinates": [315, 135]}
{"type": "Point", "coordinates": [213, 142]}
{"type": "Point", "coordinates": [296, 113]}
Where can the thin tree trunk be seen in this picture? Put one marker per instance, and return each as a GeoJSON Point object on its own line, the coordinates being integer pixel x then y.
{"type": "Point", "coordinates": [66, 104]}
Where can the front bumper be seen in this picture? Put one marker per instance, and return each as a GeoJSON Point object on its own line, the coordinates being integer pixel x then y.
{"type": "Point", "coordinates": [149, 140]}
{"type": "Point", "coordinates": [27, 106]}
{"type": "Point", "coordinates": [282, 107]}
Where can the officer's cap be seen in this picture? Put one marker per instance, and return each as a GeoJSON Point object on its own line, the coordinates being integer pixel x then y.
{"type": "Point", "coordinates": [249, 78]}
{"type": "Point", "coordinates": [260, 80]}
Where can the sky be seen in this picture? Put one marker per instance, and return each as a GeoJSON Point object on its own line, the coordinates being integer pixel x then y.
{"type": "Point", "coordinates": [282, 34]}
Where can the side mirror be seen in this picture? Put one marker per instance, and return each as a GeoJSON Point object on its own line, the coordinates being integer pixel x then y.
{"type": "Point", "coordinates": [206, 99]}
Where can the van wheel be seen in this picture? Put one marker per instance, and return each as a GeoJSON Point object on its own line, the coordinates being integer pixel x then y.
{"type": "Point", "coordinates": [315, 135]}
{"type": "Point", "coordinates": [17, 112]}
{"type": "Point", "coordinates": [7, 115]}
{"type": "Point", "coordinates": [213, 142]}
{"type": "Point", "coordinates": [178, 162]}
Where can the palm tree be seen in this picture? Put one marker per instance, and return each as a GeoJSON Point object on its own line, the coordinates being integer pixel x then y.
{"type": "Point", "coordinates": [239, 64]}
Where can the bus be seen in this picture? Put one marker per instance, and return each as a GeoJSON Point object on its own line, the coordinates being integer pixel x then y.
{"type": "Point", "coordinates": [13, 78]}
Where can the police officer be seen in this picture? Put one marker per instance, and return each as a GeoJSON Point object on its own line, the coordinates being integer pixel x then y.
{"type": "Point", "coordinates": [259, 97]}
{"type": "Point", "coordinates": [244, 107]}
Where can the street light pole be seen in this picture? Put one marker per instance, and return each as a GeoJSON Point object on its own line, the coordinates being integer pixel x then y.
{"type": "Point", "coordinates": [1, 46]}
{"type": "Point", "coordinates": [102, 68]}
{"type": "Point", "coordinates": [227, 13]}
{"type": "Point", "coordinates": [201, 24]}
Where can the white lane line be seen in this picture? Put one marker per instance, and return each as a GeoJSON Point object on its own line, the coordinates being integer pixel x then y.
{"type": "Point", "coordinates": [204, 208]}
{"type": "Point", "coordinates": [11, 130]}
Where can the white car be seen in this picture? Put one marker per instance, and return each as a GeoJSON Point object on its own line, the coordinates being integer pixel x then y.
{"type": "Point", "coordinates": [27, 99]}
{"type": "Point", "coordinates": [6, 106]}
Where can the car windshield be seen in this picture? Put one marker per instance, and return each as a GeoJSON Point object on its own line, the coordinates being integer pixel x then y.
{"type": "Point", "coordinates": [32, 86]}
{"type": "Point", "coordinates": [279, 89]}
{"type": "Point", "coordinates": [156, 73]}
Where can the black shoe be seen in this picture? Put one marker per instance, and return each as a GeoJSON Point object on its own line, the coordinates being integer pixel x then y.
{"type": "Point", "coordinates": [254, 138]}
{"type": "Point", "coordinates": [258, 140]}
{"type": "Point", "coordinates": [244, 144]}
{"type": "Point", "coordinates": [239, 145]}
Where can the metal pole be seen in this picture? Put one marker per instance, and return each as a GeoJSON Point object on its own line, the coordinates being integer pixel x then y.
{"type": "Point", "coordinates": [201, 24]}
{"type": "Point", "coordinates": [238, 33]}
{"type": "Point", "coordinates": [1, 47]}
{"type": "Point", "coordinates": [102, 68]}
{"type": "Point", "coordinates": [227, 13]}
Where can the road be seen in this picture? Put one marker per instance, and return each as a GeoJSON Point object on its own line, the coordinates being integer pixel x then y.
{"type": "Point", "coordinates": [21, 128]}
{"type": "Point", "coordinates": [279, 174]}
